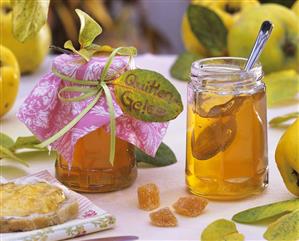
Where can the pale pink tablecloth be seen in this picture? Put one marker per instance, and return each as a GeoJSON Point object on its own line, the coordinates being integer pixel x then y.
{"type": "Point", "coordinates": [123, 204]}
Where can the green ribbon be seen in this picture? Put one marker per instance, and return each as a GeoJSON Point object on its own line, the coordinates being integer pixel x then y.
{"type": "Point", "coordinates": [95, 90]}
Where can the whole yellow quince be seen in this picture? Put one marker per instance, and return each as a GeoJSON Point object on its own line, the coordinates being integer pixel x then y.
{"type": "Point", "coordinates": [287, 157]}
{"type": "Point", "coordinates": [282, 50]}
{"type": "Point", "coordinates": [32, 52]}
{"type": "Point", "coordinates": [227, 10]}
{"type": "Point", "coordinates": [295, 8]}
{"type": "Point", "coordinates": [9, 79]}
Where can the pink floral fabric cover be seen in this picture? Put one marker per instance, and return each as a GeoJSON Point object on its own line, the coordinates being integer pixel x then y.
{"type": "Point", "coordinates": [44, 114]}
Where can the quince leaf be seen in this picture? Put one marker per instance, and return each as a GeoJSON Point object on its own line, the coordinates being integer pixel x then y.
{"type": "Point", "coordinates": [208, 28]}
{"type": "Point", "coordinates": [128, 51]}
{"type": "Point", "coordinates": [6, 141]}
{"type": "Point", "coordinates": [85, 54]}
{"type": "Point", "coordinates": [281, 86]}
{"type": "Point", "coordinates": [164, 156]}
{"type": "Point", "coordinates": [89, 29]}
{"type": "Point", "coordinates": [148, 96]}
{"type": "Point", "coordinates": [125, 51]}
{"type": "Point", "coordinates": [6, 153]}
{"type": "Point", "coordinates": [69, 45]}
{"type": "Point", "coordinates": [28, 17]}
{"type": "Point", "coordinates": [277, 121]}
{"type": "Point", "coordinates": [221, 230]}
{"type": "Point", "coordinates": [284, 228]}
{"type": "Point", "coordinates": [27, 142]}
{"type": "Point", "coordinates": [257, 214]}
{"type": "Point", "coordinates": [182, 66]}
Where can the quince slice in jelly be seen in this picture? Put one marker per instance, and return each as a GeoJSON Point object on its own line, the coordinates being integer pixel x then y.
{"type": "Point", "coordinates": [215, 138]}
{"type": "Point", "coordinates": [213, 106]}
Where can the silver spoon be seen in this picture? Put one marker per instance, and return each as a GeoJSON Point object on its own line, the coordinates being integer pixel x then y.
{"type": "Point", "coordinates": [262, 38]}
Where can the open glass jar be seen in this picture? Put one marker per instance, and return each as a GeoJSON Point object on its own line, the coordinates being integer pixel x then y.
{"type": "Point", "coordinates": [226, 156]}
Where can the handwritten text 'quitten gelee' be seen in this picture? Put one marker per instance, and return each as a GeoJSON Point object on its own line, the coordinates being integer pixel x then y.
{"type": "Point", "coordinates": [136, 98]}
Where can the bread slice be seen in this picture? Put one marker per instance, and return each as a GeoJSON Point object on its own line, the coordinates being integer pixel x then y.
{"type": "Point", "coordinates": [67, 210]}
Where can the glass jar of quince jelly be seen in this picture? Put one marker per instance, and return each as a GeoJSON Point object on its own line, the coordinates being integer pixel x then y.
{"type": "Point", "coordinates": [226, 154]}
{"type": "Point", "coordinates": [91, 170]}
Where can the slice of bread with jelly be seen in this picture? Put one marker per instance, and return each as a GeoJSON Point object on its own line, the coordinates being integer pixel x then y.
{"type": "Point", "coordinates": [34, 204]}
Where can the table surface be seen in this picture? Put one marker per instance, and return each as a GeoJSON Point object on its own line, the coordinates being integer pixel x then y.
{"type": "Point", "coordinates": [170, 179]}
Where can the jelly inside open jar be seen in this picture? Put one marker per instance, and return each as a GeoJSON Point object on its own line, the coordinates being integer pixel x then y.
{"type": "Point", "coordinates": [226, 130]}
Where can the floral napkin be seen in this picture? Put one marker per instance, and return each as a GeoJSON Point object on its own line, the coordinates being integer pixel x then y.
{"type": "Point", "coordinates": [90, 219]}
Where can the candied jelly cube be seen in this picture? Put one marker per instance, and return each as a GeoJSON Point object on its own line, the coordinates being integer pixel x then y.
{"type": "Point", "coordinates": [148, 197]}
{"type": "Point", "coordinates": [163, 218]}
{"type": "Point", "coordinates": [190, 206]}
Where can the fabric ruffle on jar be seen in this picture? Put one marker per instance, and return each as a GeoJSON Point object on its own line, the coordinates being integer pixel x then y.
{"type": "Point", "coordinates": [45, 114]}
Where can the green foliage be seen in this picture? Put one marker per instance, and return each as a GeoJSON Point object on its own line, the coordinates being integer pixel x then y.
{"type": "Point", "coordinates": [9, 148]}
{"type": "Point", "coordinates": [89, 29]}
{"type": "Point", "coordinates": [281, 86]}
{"type": "Point", "coordinates": [257, 214]}
{"type": "Point", "coordinates": [285, 228]}
{"type": "Point", "coordinates": [28, 17]}
{"type": "Point", "coordinates": [148, 96]}
{"type": "Point", "coordinates": [221, 230]}
{"type": "Point", "coordinates": [8, 154]}
{"type": "Point", "coordinates": [164, 156]}
{"type": "Point", "coordinates": [182, 66]}
{"type": "Point", "coordinates": [6, 141]}
{"type": "Point", "coordinates": [209, 29]}
{"type": "Point", "coordinates": [279, 120]}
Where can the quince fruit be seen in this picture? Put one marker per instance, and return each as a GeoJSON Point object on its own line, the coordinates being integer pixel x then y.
{"type": "Point", "coordinates": [32, 52]}
{"type": "Point", "coordinates": [9, 79]}
{"type": "Point", "coordinates": [227, 10]}
{"type": "Point", "coordinates": [287, 157]}
{"type": "Point", "coordinates": [295, 8]}
{"type": "Point", "coordinates": [282, 50]}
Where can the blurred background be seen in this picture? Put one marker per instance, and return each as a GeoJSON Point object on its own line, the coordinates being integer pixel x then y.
{"type": "Point", "coordinates": [150, 25]}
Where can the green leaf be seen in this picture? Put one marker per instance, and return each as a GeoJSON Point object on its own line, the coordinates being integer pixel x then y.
{"type": "Point", "coordinates": [69, 45]}
{"type": "Point", "coordinates": [89, 29]}
{"type": "Point", "coordinates": [209, 29]}
{"type": "Point", "coordinates": [284, 118]}
{"type": "Point", "coordinates": [257, 214]}
{"type": "Point", "coordinates": [98, 49]}
{"type": "Point", "coordinates": [285, 228]}
{"type": "Point", "coordinates": [221, 230]}
{"type": "Point", "coordinates": [84, 53]}
{"type": "Point", "coordinates": [6, 153]}
{"type": "Point", "coordinates": [28, 142]}
{"type": "Point", "coordinates": [234, 237]}
{"type": "Point", "coordinates": [182, 66]}
{"type": "Point", "coordinates": [127, 51]}
{"type": "Point", "coordinates": [28, 17]}
{"type": "Point", "coordinates": [281, 86]}
{"type": "Point", "coordinates": [6, 141]}
{"type": "Point", "coordinates": [147, 95]}
{"type": "Point", "coordinates": [164, 156]}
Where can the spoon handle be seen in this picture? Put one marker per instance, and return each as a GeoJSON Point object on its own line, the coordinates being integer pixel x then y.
{"type": "Point", "coordinates": [263, 36]}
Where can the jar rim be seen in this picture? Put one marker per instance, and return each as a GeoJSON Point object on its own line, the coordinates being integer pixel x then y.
{"type": "Point", "coordinates": [219, 66]}
{"type": "Point", "coordinates": [225, 74]}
